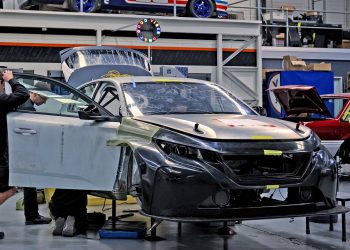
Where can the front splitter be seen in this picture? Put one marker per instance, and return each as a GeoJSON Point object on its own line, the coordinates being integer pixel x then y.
{"type": "Point", "coordinates": [333, 211]}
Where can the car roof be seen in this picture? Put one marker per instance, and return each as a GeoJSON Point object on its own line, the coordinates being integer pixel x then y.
{"type": "Point", "coordinates": [128, 79]}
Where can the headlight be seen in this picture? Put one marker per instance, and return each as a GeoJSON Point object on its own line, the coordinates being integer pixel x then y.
{"type": "Point", "coordinates": [315, 139]}
{"type": "Point", "coordinates": [320, 159]}
{"type": "Point", "coordinates": [188, 152]}
{"type": "Point", "coordinates": [323, 160]}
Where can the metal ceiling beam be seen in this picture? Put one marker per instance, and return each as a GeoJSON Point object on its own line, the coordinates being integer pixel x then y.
{"type": "Point", "coordinates": [98, 21]}
{"type": "Point", "coordinates": [239, 50]}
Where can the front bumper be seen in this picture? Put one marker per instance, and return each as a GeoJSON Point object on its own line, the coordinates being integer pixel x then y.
{"type": "Point", "coordinates": [176, 187]}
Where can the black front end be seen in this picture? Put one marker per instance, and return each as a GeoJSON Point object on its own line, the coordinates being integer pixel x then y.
{"type": "Point", "coordinates": [235, 179]}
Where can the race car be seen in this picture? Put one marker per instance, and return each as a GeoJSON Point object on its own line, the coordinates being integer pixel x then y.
{"type": "Point", "coordinates": [194, 8]}
{"type": "Point", "coordinates": [187, 149]}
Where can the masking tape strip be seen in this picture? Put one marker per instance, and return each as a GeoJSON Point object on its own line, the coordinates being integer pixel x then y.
{"type": "Point", "coordinates": [272, 186]}
{"type": "Point", "coordinates": [261, 137]}
{"type": "Point", "coordinates": [272, 152]}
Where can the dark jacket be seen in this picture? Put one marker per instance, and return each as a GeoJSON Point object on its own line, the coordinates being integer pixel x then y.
{"type": "Point", "coordinates": [8, 103]}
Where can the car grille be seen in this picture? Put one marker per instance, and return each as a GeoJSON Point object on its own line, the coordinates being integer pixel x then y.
{"type": "Point", "coordinates": [265, 169]}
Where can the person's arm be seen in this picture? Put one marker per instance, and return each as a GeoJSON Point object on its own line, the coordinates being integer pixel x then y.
{"type": "Point", "coordinates": [19, 93]}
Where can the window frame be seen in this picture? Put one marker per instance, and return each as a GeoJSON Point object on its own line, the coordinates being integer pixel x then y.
{"type": "Point", "coordinates": [73, 90]}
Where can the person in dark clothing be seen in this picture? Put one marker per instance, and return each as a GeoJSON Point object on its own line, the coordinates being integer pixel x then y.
{"type": "Point", "coordinates": [31, 209]}
{"type": "Point", "coordinates": [8, 103]}
{"type": "Point", "coordinates": [68, 207]}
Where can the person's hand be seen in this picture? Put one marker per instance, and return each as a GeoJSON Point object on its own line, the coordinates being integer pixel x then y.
{"type": "Point", "coordinates": [7, 75]}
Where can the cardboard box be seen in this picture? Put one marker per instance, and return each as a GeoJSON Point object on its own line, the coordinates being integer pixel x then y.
{"type": "Point", "coordinates": [278, 41]}
{"type": "Point", "coordinates": [293, 63]}
{"type": "Point", "coordinates": [280, 36]}
{"type": "Point", "coordinates": [279, 16]}
{"type": "Point", "coordinates": [320, 66]}
{"type": "Point", "coordinates": [288, 7]}
{"type": "Point", "coordinates": [311, 13]}
{"type": "Point", "coordinates": [345, 44]}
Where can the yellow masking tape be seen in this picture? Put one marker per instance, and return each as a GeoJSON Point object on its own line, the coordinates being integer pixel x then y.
{"type": "Point", "coordinates": [261, 137]}
{"type": "Point", "coordinates": [272, 186]}
{"type": "Point", "coordinates": [272, 152]}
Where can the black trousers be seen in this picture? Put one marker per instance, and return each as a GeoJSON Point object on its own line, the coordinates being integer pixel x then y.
{"type": "Point", "coordinates": [65, 202]}
{"type": "Point", "coordinates": [30, 201]}
{"type": "Point", "coordinates": [4, 178]}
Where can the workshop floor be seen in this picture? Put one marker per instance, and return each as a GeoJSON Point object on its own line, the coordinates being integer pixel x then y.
{"type": "Point", "coordinates": [264, 234]}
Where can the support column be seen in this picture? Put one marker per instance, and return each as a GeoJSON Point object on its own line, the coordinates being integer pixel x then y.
{"type": "Point", "coordinates": [258, 14]}
{"type": "Point", "coordinates": [219, 75]}
{"type": "Point", "coordinates": [259, 70]}
{"type": "Point", "coordinates": [98, 37]}
{"type": "Point", "coordinates": [324, 11]}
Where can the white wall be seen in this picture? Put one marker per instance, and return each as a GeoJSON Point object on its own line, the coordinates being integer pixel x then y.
{"type": "Point", "coordinates": [249, 14]}
{"type": "Point", "coordinates": [299, 4]}
{"type": "Point", "coordinates": [335, 5]}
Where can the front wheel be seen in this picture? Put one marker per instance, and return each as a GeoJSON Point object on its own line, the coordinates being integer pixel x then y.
{"type": "Point", "coordinates": [89, 6]}
{"type": "Point", "coordinates": [201, 8]}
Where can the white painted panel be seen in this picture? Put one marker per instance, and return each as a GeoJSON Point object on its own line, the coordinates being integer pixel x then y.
{"type": "Point", "coordinates": [244, 8]}
{"type": "Point", "coordinates": [338, 6]}
{"type": "Point", "coordinates": [246, 77]}
{"type": "Point", "coordinates": [64, 152]}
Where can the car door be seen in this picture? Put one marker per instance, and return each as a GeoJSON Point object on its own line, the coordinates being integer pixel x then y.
{"type": "Point", "coordinates": [53, 147]}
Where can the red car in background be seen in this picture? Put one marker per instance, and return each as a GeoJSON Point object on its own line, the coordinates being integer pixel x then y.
{"type": "Point", "coordinates": [328, 115]}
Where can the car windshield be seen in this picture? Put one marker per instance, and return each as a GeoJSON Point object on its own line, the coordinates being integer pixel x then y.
{"type": "Point", "coordinates": [177, 97]}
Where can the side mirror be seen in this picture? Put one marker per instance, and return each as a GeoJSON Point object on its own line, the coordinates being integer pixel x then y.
{"type": "Point", "coordinates": [91, 112]}
{"type": "Point", "coordinates": [260, 110]}
{"type": "Point", "coordinates": [86, 115]}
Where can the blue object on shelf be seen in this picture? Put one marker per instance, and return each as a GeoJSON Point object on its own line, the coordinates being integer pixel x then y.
{"type": "Point", "coordinates": [322, 80]}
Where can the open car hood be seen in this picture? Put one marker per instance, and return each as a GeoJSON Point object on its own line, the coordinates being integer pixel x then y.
{"type": "Point", "coordinates": [229, 127]}
{"type": "Point", "coordinates": [83, 64]}
{"type": "Point", "coordinates": [297, 99]}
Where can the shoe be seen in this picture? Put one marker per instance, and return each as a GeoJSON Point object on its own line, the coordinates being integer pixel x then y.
{"type": "Point", "coordinates": [59, 223]}
{"type": "Point", "coordinates": [2, 235]}
{"type": "Point", "coordinates": [38, 220]}
{"type": "Point", "coordinates": [69, 227]}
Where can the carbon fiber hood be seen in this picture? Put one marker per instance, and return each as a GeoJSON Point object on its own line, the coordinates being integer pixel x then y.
{"type": "Point", "coordinates": [227, 126]}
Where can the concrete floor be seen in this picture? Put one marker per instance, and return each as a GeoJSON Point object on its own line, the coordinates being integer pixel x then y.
{"type": "Point", "coordinates": [264, 234]}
